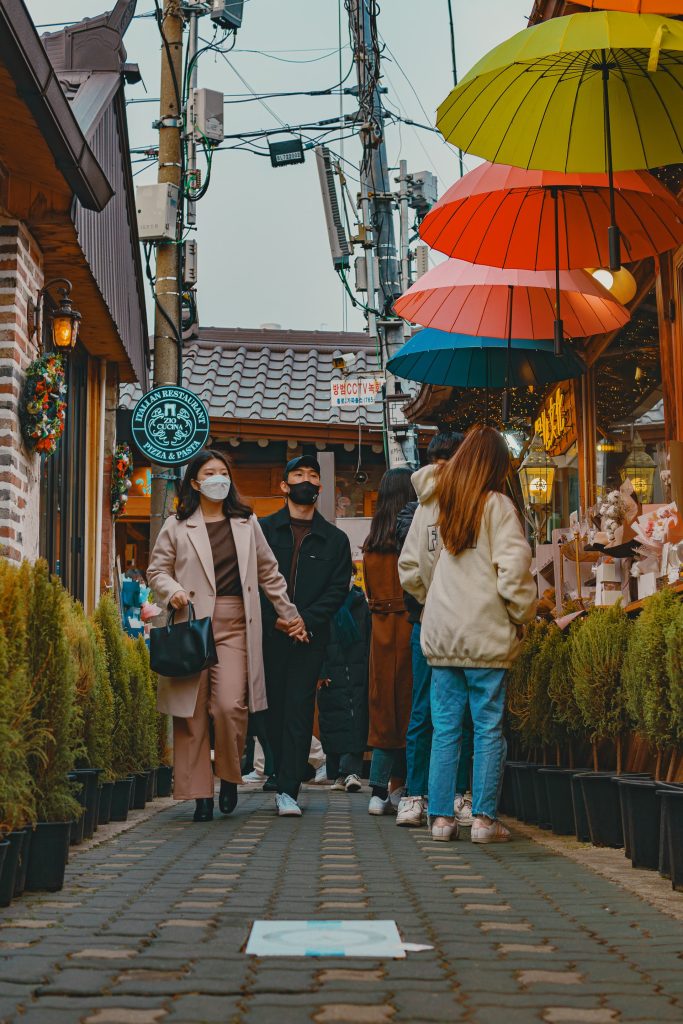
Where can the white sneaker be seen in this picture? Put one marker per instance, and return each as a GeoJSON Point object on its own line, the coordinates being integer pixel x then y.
{"type": "Point", "coordinates": [253, 778]}
{"type": "Point", "coordinates": [379, 806]}
{"type": "Point", "coordinates": [286, 806]}
{"type": "Point", "coordinates": [463, 810]}
{"type": "Point", "coordinates": [320, 777]}
{"type": "Point", "coordinates": [445, 832]}
{"type": "Point", "coordinates": [352, 784]}
{"type": "Point", "coordinates": [339, 785]}
{"type": "Point", "coordinates": [411, 811]}
{"type": "Point", "coordinates": [488, 830]}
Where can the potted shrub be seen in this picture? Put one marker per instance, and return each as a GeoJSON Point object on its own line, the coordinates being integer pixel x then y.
{"type": "Point", "coordinates": [670, 796]}
{"type": "Point", "coordinates": [106, 618]}
{"type": "Point", "coordinates": [164, 753]}
{"type": "Point", "coordinates": [143, 729]}
{"type": "Point", "coordinates": [52, 679]}
{"type": "Point", "coordinates": [597, 653]}
{"type": "Point", "coordinates": [99, 724]}
{"type": "Point", "coordinates": [648, 701]}
{"type": "Point", "coordinates": [569, 726]}
{"type": "Point", "coordinates": [521, 717]}
{"type": "Point", "coordinates": [542, 724]}
{"type": "Point", "coordinates": [17, 794]}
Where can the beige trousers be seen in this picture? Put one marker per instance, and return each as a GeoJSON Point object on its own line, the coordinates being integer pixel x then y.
{"type": "Point", "coordinates": [223, 697]}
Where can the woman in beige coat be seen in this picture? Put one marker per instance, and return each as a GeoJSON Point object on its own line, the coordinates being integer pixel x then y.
{"type": "Point", "coordinates": [213, 553]}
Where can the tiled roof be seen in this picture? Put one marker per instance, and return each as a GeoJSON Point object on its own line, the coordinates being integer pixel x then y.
{"type": "Point", "coordinates": [265, 374]}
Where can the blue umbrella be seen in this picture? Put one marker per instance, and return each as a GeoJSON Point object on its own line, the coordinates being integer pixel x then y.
{"type": "Point", "coordinates": [458, 360]}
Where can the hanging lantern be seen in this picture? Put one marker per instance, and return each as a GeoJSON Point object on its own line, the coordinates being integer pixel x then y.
{"type": "Point", "coordinates": [537, 476]}
{"type": "Point", "coordinates": [639, 468]}
{"type": "Point", "coordinates": [619, 283]}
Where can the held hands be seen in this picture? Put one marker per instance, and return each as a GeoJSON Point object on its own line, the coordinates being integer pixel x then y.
{"type": "Point", "coordinates": [179, 600]}
{"type": "Point", "coordinates": [294, 628]}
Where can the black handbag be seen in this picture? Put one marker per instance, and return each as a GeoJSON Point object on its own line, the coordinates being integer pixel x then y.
{"type": "Point", "coordinates": [183, 648]}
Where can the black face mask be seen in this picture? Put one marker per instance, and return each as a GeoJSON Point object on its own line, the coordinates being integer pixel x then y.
{"type": "Point", "coordinates": [304, 493]}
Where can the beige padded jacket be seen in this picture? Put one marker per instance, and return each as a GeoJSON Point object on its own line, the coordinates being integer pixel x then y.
{"type": "Point", "coordinates": [474, 601]}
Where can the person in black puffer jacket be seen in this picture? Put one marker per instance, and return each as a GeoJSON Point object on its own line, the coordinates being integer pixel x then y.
{"type": "Point", "coordinates": [343, 693]}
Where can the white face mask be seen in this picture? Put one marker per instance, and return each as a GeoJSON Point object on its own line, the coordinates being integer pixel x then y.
{"type": "Point", "coordinates": [215, 488]}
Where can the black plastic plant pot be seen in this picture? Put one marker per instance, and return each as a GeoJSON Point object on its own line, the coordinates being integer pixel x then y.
{"type": "Point", "coordinates": [151, 784]}
{"type": "Point", "coordinates": [76, 833]}
{"type": "Point", "coordinates": [641, 821]}
{"type": "Point", "coordinates": [625, 806]}
{"type": "Point", "coordinates": [140, 790]}
{"type": "Point", "coordinates": [104, 809]}
{"type": "Point", "coordinates": [22, 864]}
{"type": "Point", "coordinates": [558, 789]}
{"type": "Point", "coordinates": [131, 802]}
{"type": "Point", "coordinates": [581, 829]}
{"type": "Point", "coordinates": [48, 856]}
{"type": "Point", "coordinates": [662, 789]}
{"type": "Point", "coordinates": [542, 805]}
{"type": "Point", "coordinates": [8, 870]}
{"type": "Point", "coordinates": [603, 809]}
{"type": "Point", "coordinates": [165, 780]}
{"type": "Point", "coordinates": [88, 778]}
{"type": "Point", "coordinates": [120, 800]}
{"type": "Point", "coordinates": [673, 804]}
{"type": "Point", "coordinates": [513, 768]}
{"type": "Point", "coordinates": [525, 774]}
{"type": "Point", "coordinates": [4, 850]}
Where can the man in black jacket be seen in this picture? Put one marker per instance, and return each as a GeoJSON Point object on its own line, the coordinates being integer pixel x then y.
{"type": "Point", "coordinates": [315, 557]}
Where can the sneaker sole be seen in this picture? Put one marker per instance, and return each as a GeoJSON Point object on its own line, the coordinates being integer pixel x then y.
{"type": "Point", "coordinates": [353, 789]}
{"type": "Point", "coordinates": [289, 814]}
{"type": "Point", "coordinates": [378, 814]}
{"type": "Point", "coordinates": [464, 824]}
{"type": "Point", "coordinates": [444, 839]}
{"type": "Point", "coordinates": [483, 840]}
{"type": "Point", "coordinates": [410, 824]}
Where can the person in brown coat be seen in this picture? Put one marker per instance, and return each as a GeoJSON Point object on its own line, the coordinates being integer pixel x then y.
{"type": "Point", "coordinates": [391, 678]}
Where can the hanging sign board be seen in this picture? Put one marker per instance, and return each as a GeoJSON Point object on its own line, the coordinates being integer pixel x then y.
{"type": "Point", "coordinates": [556, 420]}
{"type": "Point", "coordinates": [170, 425]}
{"type": "Point", "coordinates": [354, 391]}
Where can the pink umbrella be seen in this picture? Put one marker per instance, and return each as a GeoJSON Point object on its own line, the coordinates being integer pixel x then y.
{"type": "Point", "coordinates": [465, 298]}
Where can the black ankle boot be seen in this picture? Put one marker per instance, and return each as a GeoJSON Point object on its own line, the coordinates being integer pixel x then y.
{"type": "Point", "coordinates": [203, 809]}
{"type": "Point", "coordinates": [227, 800]}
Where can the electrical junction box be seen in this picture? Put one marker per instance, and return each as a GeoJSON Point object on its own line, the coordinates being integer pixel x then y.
{"type": "Point", "coordinates": [289, 151]}
{"type": "Point", "coordinates": [190, 262]}
{"type": "Point", "coordinates": [227, 13]}
{"type": "Point", "coordinates": [207, 114]}
{"type": "Point", "coordinates": [424, 191]}
{"type": "Point", "coordinates": [157, 211]}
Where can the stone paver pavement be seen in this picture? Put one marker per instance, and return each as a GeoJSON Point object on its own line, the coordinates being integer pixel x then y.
{"type": "Point", "coordinates": [152, 924]}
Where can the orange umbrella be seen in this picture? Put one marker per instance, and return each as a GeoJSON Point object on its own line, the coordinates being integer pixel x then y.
{"type": "Point", "coordinates": [634, 6]}
{"type": "Point", "coordinates": [507, 217]}
{"type": "Point", "coordinates": [466, 298]}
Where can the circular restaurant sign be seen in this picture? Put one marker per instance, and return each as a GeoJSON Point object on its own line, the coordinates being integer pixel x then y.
{"type": "Point", "coordinates": [170, 425]}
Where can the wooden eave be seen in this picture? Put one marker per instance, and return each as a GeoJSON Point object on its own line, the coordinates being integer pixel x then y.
{"type": "Point", "coordinates": [36, 192]}
{"type": "Point", "coordinates": [333, 433]}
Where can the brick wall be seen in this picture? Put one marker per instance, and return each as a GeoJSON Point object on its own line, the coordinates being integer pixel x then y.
{"type": "Point", "coordinates": [20, 278]}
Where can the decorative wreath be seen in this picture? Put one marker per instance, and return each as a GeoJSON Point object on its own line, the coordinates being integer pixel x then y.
{"type": "Point", "coordinates": [43, 405]}
{"type": "Point", "coordinates": [121, 483]}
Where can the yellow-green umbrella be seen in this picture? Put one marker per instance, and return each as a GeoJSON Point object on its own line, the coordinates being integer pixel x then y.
{"type": "Point", "coordinates": [598, 92]}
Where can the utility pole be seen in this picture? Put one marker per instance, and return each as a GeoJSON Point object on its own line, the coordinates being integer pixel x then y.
{"type": "Point", "coordinates": [191, 137]}
{"type": "Point", "coordinates": [167, 316]}
{"type": "Point", "coordinates": [377, 206]}
{"type": "Point", "coordinates": [403, 205]}
{"type": "Point", "coordinates": [455, 67]}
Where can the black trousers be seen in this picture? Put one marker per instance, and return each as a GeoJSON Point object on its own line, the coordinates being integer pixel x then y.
{"type": "Point", "coordinates": [292, 672]}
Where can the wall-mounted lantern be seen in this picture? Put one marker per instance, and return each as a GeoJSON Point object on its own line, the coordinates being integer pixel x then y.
{"type": "Point", "coordinates": [64, 319]}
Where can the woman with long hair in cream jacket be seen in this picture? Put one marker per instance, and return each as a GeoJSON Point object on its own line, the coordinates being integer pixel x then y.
{"type": "Point", "coordinates": [466, 558]}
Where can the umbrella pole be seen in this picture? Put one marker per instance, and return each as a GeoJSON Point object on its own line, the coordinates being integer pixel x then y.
{"type": "Point", "coordinates": [505, 411]}
{"type": "Point", "coordinates": [558, 326]}
{"type": "Point", "coordinates": [613, 233]}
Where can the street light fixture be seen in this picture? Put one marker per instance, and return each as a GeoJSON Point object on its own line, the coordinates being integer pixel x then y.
{"type": "Point", "coordinates": [64, 319]}
{"type": "Point", "coordinates": [536, 477]}
{"type": "Point", "coordinates": [639, 468]}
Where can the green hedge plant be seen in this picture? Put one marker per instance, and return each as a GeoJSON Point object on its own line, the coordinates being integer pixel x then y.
{"type": "Point", "coordinates": [143, 701]}
{"type": "Point", "coordinates": [674, 666]}
{"type": "Point", "coordinates": [646, 675]}
{"type": "Point", "coordinates": [51, 675]}
{"type": "Point", "coordinates": [106, 618]}
{"type": "Point", "coordinates": [521, 688]}
{"type": "Point", "coordinates": [597, 650]}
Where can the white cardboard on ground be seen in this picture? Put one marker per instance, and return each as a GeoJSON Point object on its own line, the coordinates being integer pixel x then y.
{"type": "Point", "coordinates": [325, 938]}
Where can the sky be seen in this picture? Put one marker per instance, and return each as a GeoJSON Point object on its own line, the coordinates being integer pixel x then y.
{"type": "Point", "coordinates": [263, 250]}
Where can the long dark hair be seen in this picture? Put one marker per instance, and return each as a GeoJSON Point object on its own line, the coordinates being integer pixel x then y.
{"type": "Point", "coordinates": [395, 491]}
{"type": "Point", "coordinates": [480, 465]}
{"type": "Point", "coordinates": [188, 497]}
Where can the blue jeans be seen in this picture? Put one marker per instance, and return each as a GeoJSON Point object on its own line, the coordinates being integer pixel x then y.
{"type": "Point", "coordinates": [451, 689]}
{"type": "Point", "coordinates": [387, 764]}
{"type": "Point", "coordinates": [419, 735]}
